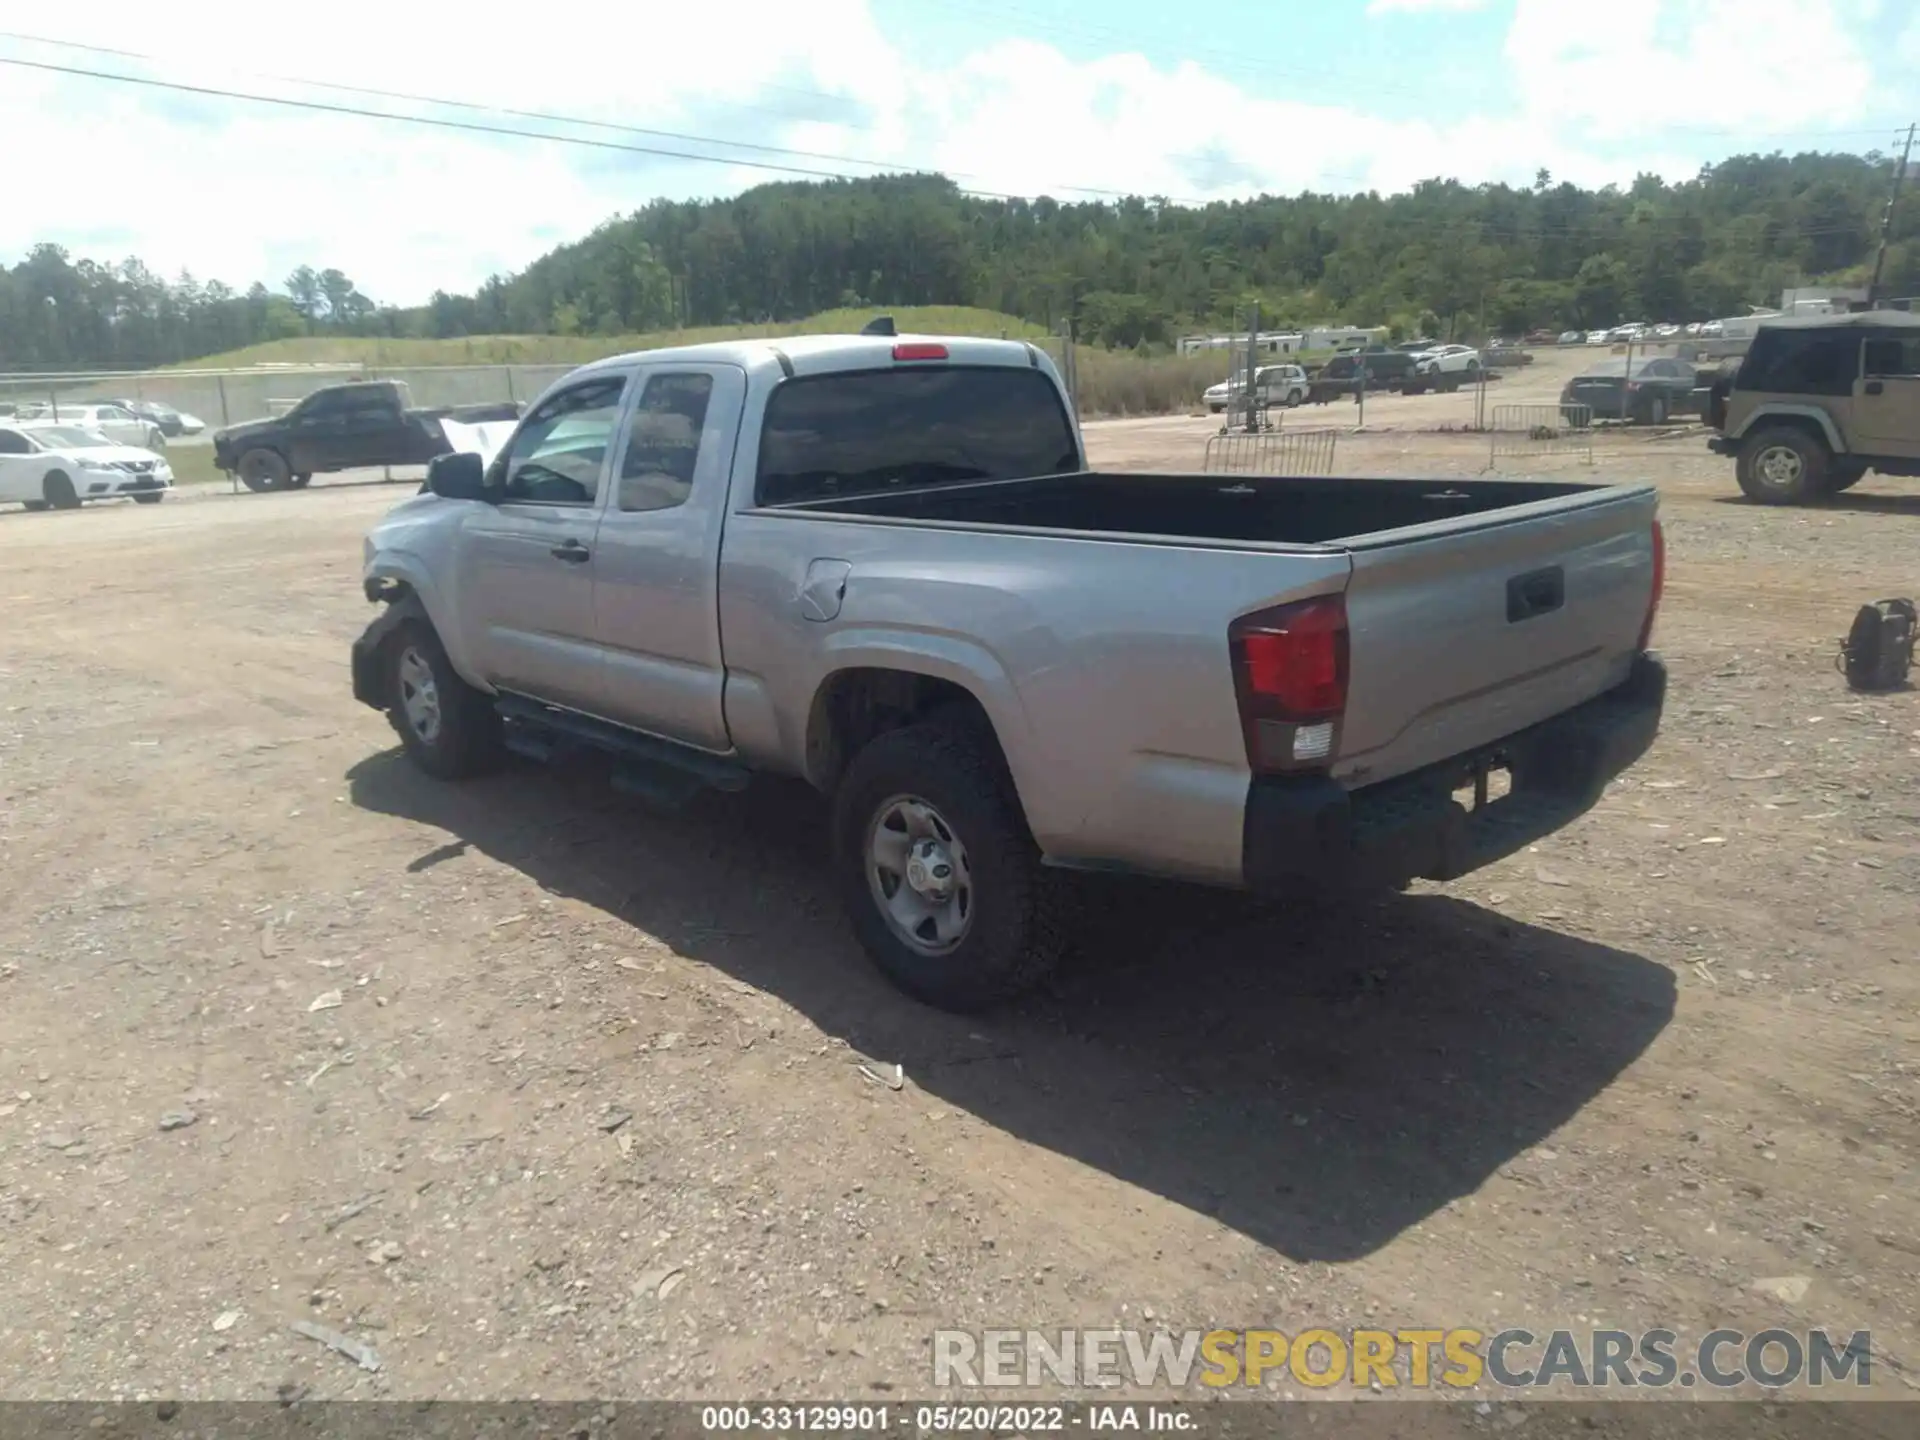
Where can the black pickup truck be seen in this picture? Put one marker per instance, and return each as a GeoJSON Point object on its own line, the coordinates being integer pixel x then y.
{"type": "Point", "coordinates": [342, 427]}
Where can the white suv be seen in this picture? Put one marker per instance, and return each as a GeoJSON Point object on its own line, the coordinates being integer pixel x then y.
{"type": "Point", "coordinates": [1275, 385]}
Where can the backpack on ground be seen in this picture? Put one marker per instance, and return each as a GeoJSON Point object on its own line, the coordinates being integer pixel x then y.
{"type": "Point", "coordinates": [1878, 650]}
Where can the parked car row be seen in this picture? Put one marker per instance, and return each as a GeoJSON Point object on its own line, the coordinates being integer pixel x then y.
{"type": "Point", "coordinates": [117, 422]}
{"type": "Point", "coordinates": [1639, 332]}
{"type": "Point", "coordinates": [1412, 367]}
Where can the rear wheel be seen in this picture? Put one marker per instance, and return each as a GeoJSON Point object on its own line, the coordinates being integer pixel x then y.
{"type": "Point", "coordinates": [940, 877]}
{"type": "Point", "coordinates": [449, 729]}
{"type": "Point", "coordinates": [263, 470]}
{"type": "Point", "coordinates": [1779, 465]}
{"type": "Point", "coordinates": [58, 489]}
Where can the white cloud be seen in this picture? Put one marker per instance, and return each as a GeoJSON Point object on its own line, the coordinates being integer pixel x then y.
{"type": "Point", "coordinates": [1767, 66]}
{"type": "Point", "coordinates": [1416, 7]}
{"type": "Point", "coordinates": [240, 191]}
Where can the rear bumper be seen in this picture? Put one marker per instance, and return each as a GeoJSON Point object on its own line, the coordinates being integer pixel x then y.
{"type": "Point", "coordinates": [1412, 827]}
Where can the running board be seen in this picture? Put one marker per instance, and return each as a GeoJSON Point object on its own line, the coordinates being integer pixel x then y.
{"type": "Point", "coordinates": [645, 765]}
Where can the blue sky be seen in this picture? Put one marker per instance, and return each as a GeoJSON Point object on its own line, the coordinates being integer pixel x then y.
{"type": "Point", "coordinates": [1010, 96]}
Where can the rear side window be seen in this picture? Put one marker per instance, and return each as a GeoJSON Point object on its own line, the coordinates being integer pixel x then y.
{"type": "Point", "coordinates": [1803, 362]}
{"type": "Point", "coordinates": [835, 436]}
{"type": "Point", "coordinates": [1893, 355]}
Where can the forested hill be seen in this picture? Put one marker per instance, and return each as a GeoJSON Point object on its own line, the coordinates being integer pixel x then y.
{"type": "Point", "coordinates": [1129, 273]}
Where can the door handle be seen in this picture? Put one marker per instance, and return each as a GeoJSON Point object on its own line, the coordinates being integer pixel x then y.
{"type": "Point", "coordinates": [1874, 387]}
{"type": "Point", "coordinates": [572, 551]}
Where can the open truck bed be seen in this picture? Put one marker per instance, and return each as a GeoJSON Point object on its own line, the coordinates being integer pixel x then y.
{"type": "Point", "coordinates": [1277, 510]}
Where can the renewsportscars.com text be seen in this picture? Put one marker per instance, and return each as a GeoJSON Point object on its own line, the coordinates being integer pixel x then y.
{"type": "Point", "coordinates": [1455, 1359]}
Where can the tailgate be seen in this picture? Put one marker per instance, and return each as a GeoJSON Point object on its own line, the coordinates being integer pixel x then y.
{"type": "Point", "coordinates": [1466, 631]}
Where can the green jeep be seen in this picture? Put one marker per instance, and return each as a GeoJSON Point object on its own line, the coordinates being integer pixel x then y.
{"type": "Point", "coordinates": [1818, 401]}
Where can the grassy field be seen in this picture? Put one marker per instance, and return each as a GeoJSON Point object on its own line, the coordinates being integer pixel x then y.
{"type": "Point", "coordinates": [1112, 382]}
{"type": "Point", "coordinates": [578, 349]}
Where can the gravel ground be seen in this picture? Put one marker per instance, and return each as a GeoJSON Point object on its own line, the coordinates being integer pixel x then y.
{"type": "Point", "coordinates": [540, 1093]}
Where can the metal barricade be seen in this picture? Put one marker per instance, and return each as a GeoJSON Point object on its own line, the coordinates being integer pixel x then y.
{"type": "Point", "coordinates": [1537, 432]}
{"type": "Point", "coordinates": [1270, 452]}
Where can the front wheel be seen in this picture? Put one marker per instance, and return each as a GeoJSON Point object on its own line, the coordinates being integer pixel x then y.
{"type": "Point", "coordinates": [1780, 465]}
{"type": "Point", "coordinates": [940, 877]}
{"type": "Point", "coordinates": [263, 470]}
{"type": "Point", "coordinates": [449, 729]}
{"type": "Point", "coordinates": [58, 488]}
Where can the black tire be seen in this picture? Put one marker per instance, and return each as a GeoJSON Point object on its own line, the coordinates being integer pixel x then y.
{"type": "Point", "coordinates": [300, 482]}
{"type": "Point", "coordinates": [58, 488]}
{"type": "Point", "coordinates": [262, 470]}
{"type": "Point", "coordinates": [467, 740]}
{"type": "Point", "coordinates": [1783, 465]}
{"type": "Point", "coordinates": [149, 497]}
{"type": "Point", "coordinates": [34, 504]}
{"type": "Point", "coordinates": [1013, 931]}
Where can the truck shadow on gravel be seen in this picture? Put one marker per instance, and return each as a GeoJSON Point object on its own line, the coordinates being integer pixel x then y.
{"type": "Point", "coordinates": [1868, 504]}
{"type": "Point", "coordinates": [1318, 1079]}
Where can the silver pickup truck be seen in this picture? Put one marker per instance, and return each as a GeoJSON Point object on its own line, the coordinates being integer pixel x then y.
{"type": "Point", "coordinates": [881, 564]}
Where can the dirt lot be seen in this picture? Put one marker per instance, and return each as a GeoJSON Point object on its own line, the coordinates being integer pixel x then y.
{"type": "Point", "coordinates": [1662, 1071]}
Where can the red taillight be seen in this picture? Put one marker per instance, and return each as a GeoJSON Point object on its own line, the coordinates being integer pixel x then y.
{"type": "Point", "coordinates": [1659, 583]}
{"type": "Point", "coordinates": [1290, 675]}
{"type": "Point", "coordinates": [919, 352]}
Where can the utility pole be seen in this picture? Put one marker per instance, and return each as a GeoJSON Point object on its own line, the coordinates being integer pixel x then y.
{"type": "Point", "coordinates": [1886, 221]}
{"type": "Point", "coordinates": [1254, 416]}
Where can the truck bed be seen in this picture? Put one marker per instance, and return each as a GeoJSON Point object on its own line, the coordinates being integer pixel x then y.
{"type": "Point", "coordinates": [1259, 509]}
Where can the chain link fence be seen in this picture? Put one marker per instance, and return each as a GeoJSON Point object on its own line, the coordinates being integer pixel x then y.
{"type": "Point", "coordinates": [227, 397]}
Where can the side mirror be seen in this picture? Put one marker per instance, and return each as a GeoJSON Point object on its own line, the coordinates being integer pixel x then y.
{"type": "Point", "coordinates": [459, 476]}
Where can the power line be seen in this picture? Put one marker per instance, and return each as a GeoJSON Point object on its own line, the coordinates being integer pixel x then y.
{"type": "Point", "coordinates": [468, 105]}
{"type": "Point", "coordinates": [545, 117]}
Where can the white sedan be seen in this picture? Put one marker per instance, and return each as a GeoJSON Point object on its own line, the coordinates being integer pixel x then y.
{"type": "Point", "coordinates": [59, 467]}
